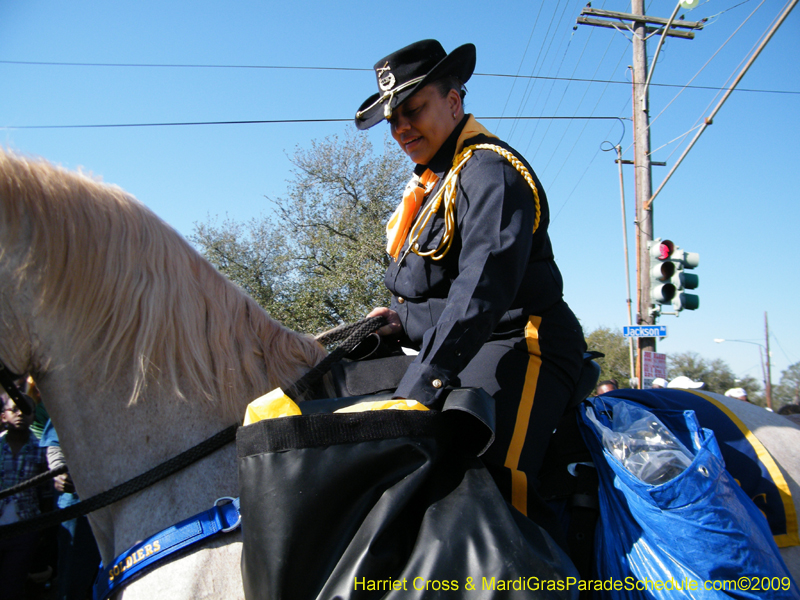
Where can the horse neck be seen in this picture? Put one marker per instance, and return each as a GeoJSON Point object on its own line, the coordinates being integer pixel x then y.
{"type": "Point", "coordinates": [107, 442]}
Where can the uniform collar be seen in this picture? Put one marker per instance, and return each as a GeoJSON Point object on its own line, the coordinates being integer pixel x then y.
{"type": "Point", "coordinates": [443, 159]}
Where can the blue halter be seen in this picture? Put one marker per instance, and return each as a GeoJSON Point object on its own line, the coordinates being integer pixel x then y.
{"type": "Point", "coordinates": [220, 518]}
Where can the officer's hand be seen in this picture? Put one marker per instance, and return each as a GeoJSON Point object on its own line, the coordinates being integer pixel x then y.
{"type": "Point", "coordinates": [393, 327]}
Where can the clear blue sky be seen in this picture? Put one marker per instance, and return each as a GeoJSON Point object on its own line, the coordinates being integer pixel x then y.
{"type": "Point", "coordinates": [734, 199]}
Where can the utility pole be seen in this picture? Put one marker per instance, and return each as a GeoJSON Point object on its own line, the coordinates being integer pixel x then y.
{"type": "Point", "coordinates": [618, 148]}
{"type": "Point", "coordinates": [642, 177]}
{"type": "Point", "coordinates": [641, 26]}
{"type": "Point", "coordinates": [769, 368]}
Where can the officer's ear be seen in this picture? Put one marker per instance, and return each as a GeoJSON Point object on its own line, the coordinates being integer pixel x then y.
{"type": "Point", "coordinates": [454, 102]}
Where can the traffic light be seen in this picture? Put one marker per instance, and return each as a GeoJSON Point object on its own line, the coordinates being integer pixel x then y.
{"type": "Point", "coordinates": [668, 277]}
{"type": "Point", "coordinates": [685, 281]}
{"type": "Point", "coordinates": [662, 270]}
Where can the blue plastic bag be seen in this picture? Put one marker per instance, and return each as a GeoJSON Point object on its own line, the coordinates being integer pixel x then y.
{"type": "Point", "coordinates": [695, 535]}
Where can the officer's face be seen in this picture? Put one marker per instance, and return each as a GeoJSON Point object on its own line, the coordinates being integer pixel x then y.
{"type": "Point", "coordinates": [422, 123]}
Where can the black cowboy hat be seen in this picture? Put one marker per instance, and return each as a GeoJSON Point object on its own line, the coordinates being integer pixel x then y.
{"type": "Point", "coordinates": [408, 70]}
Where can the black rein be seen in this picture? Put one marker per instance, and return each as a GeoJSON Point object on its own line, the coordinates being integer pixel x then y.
{"type": "Point", "coordinates": [354, 335]}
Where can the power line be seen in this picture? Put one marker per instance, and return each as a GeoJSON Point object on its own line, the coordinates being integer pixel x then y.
{"type": "Point", "coordinates": [569, 37]}
{"type": "Point", "coordinates": [717, 51]}
{"type": "Point", "coordinates": [699, 123]}
{"type": "Point", "coordinates": [173, 124]}
{"type": "Point", "coordinates": [353, 69]}
{"type": "Point", "coordinates": [524, 54]}
{"type": "Point", "coordinates": [538, 66]}
{"type": "Point", "coordinates": [577, 108]}
{"type": "Point", "coordinates": [628, 83]}
{"type": "Point", "coordinates": [764, 40]}
{"type": "Point", "coordinates": [585, 125]}
{"type": "Point", "coordinates": [586, 170]}
{"type": "Point", "coordinates": [172, 66]}
{"type": "Point", "coordinates": [261, 122]}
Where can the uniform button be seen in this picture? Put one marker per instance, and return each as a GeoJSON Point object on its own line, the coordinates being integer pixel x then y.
{"type": "Point", "coordinates": [437, 383]}
{"type": "Point", "coordinates": [400, 299]}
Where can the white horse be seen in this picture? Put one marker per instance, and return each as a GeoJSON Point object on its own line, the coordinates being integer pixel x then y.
{"type": "Point", "coordinates": [141, 350]}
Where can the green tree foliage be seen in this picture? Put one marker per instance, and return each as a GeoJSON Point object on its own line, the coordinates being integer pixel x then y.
{"type": "Point", "coordinates": [616, 362]}
{"type": "Point", "coordinates": [247, 254]}
{"type": "Point", "coordinates": [788, 390]}
{"type": "Point", "coordinates": [319, 260]}
{"type": "Point", "coordinates": [716, 374]}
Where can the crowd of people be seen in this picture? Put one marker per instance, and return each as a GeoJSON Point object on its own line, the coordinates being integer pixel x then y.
{"type": "Point", "coordinates": [790, 411]}
{"type": "Point", "coordinates": [58, 563]}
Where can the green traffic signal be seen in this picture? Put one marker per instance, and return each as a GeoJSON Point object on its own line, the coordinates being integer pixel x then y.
{"type": "Point", "coordinates": [685, 281]}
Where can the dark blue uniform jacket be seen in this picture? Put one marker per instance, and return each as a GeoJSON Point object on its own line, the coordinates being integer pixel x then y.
{"type": "Point", "coordinates": [496, 274]}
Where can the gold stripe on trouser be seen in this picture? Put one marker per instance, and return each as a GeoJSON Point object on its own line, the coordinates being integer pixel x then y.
{"type": "Point", "coordinates": [519, 480]}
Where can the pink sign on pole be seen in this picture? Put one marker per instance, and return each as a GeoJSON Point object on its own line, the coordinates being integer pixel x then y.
{"type": "Point", "coordinates": [654, 364]}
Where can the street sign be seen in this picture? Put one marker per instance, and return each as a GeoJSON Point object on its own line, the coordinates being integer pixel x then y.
{"type": "Point", "coordinates": [629, 331]}
{"type": "Point", "coordinates": [654, 364]}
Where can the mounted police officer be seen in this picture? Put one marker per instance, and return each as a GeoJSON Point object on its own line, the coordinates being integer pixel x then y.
{"type": "Point", "coordinates": [475, 287]}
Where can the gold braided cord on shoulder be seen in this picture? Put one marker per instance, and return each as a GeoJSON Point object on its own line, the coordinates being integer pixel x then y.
{"type": "Point", "coordinates": [447, 193]}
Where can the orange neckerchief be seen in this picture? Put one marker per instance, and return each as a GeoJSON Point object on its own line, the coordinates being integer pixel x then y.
{"type": "Point", "coordinates": [416, 191]}
{"type": "Point", "coordinates": [413, 197]}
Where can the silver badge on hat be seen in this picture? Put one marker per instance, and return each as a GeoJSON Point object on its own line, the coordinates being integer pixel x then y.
{"type": "Point", "coordinates": [385, 81]}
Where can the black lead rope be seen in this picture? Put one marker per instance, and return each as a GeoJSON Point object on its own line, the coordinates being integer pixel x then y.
{"type": "Point", "coordinates": [353, 335]}
{"type": "Point", "coordinates": [360, 331]}
{"type": "Point", "coordinates": [33, 481]}
{"type": "Point", "coordinates": [123, 490]}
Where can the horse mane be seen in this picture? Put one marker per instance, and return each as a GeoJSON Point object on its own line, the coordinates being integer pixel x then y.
{"type": "Point", "coordinates": [133, 297]}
